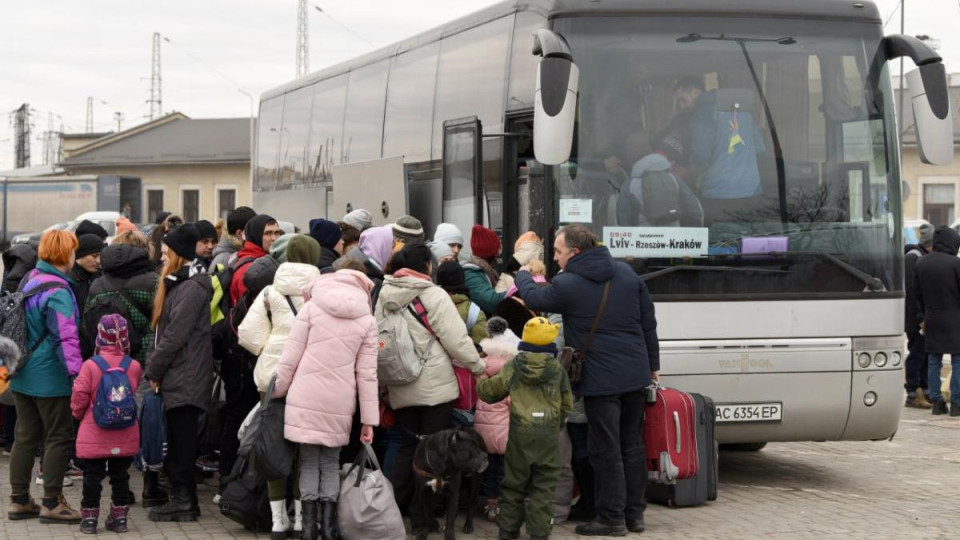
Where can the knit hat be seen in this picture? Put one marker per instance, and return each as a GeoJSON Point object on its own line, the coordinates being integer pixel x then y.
{"type": "Point", "coordinates": [439, 249]}
{"type": "Point", "coordinates": [327, 233]}
{"type": "Point", "coordinates": [359, 219]}
{"type": "Point", "coordinates": [206, 230]}
{"type": "Point", "coordinates": [539, 331]}
{"type": "Point", "coordinates": [408, 229]}
{"type": "Point", "coordinates": [278, 249]}
{"type": "Point", "coordinates": [527, 248]}
{"type": "Point", "coordinates": [450, 277]}
{"type": "Point", "coordinates": [253, 231]}
{"type": "Point", "coordinates": [125, 225]}
{"type": "Point", "coordinates": [925, 236]}
{"type": "Point", "coordinates": [484, 242]}
{"type": "Point", "coordinates": [88, 227]}
{"type": "Point", "coordinates": [161, 217]}
{"type": "Point", "coordinates": [303, 249]}
{"type": "Point", "coordinates": [448, 233]}
{"type": "Point", "coordinates": [89, 244]}
{"type": "Point", "coordinates": [183, 241]}
{"type": "Point", "coordinates": [112, 331]}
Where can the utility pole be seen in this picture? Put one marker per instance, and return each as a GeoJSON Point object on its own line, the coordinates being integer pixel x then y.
{"type": "Point", "coordinates": [118, 116]}
{"type": "Point", "coordinates": [303, 38]}
{"type": "Point", "coordinates": [89, 114]}
{"type": "Point", "coordinates": [48, 141]}
{"type": "Point", "coordinates": [156, 97]}
{"type": "Point", "coordinates": [22, 136]}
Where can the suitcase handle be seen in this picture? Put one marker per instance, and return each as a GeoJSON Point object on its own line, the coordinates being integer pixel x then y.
{"type": "Point", "coordinates": [676, 424]}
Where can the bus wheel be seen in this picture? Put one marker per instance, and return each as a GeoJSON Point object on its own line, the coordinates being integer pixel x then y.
{"type": "Point", "coordinates": [743, 447]}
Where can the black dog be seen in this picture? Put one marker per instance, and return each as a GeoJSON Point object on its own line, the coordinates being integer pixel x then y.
{"type": "Point", "coordinates": [443, 459]}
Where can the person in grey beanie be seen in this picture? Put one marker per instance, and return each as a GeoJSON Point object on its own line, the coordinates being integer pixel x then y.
{"type": "Point", "coordinates": [359, 219]}
{"type": "Point", "coordinates": [409, 230]}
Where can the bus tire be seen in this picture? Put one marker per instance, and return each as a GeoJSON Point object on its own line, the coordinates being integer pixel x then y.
{"type": "Point", "coordinates": [743, 447]}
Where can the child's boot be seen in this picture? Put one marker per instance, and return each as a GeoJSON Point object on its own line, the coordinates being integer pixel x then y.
{"type": "Point", "coordinates": [90, 519]}
{"type": "Point", "coordinates": [281, 522]}
{"type": "Point", "coordinates": [117, 521]}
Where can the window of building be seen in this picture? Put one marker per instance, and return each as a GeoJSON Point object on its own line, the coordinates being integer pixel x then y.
{"type": "Point", "coordinates": [226, 202]}
{"type": "Point", "coordinates": [154, 204]}
{"type": "Point", "coordinates": [191, 205]}
{"type": "Point", "coordinates": [938, 203]}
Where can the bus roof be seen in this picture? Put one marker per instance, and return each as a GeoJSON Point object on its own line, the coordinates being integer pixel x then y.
{"type": "Point", "coordinates": [864, 11]}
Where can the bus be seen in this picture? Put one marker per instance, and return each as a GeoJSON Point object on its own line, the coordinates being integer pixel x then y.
{"type": "Point", "coordinates": [772, 246]}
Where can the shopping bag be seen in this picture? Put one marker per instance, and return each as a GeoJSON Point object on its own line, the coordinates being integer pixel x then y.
{"type": "Point", "coordinates": [367, 508]}
{"type": "Point", "coordinates": [467, 383]}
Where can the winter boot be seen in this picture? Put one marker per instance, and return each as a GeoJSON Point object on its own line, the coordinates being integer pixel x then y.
{"type": "Point", "coordinates": [55, 510]}
{"type": "Point", "coordinates": [309, 520]}
{"type": "Point", "coordinates": [180, 507]}
{"type": "Point", "coordinates": [281, 521]}
{"type": "Point", "coordinates": [939, 407]}
{"type": "Point", "coordinates": [595, 528]}
{"type": "Point", "coordinates": [91, 518]}
{"type": "Point", "coordinates": [329, 528]}
{"type": "Point", "coordinates": [153, 494]}
{"type": "Point", "coordinates": [297, 519]}
{"type": "Point", "coordinates": [117, 521]}
{"type": "Point", "coordinates": [22, 507]}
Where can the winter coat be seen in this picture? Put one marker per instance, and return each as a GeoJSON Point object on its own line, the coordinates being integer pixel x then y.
{"type": "Point", "coordinates": [264, 330]}
{"type": "Point", "coordinates": [492, 420]}
{"type": "Point", "coordinates": [479, 331]}
{"type": "Point", "coordinates": [228, 246]}
{"type": "Point", "coordinates": [912, 316]}
{"type": "Point", "coordinates": [330, 359]}
{"type": "Point", "coordinates": [539, 390]}
{"type": "Point", "coordinates": [374, 272]}
{"type": "Point", "coordinates": [94, 442]}
{"type": "Point", "coordinates": [81, 288]}
{"type": "Point", "coordinates": [327, 258]}
{"type": "Point", "coordinates": [57, 359]}
{"type": "Point", "coordinates": [625, 348]}
{"type": "Point", "coordinates": [938, 279]}
{"type": "Point", "coordinates": [477, 275]}
{"type": "Point", "coordinates": [18, 261]}
{"type": "Point", "coordinates": [436, 384]}
{"type": "Point", "coordinates": [237, 287]}
{"type": "Point", "coordinates": [128, 268]}
{"type": "Point", "coordinates": [182, 358]}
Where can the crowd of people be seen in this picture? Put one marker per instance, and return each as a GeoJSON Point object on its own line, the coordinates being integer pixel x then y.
{"type": "Point", "coordinates": [213, 317]}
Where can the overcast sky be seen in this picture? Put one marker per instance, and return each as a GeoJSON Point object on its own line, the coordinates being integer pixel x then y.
{"type": "Point", "coordinates": [56, 53]}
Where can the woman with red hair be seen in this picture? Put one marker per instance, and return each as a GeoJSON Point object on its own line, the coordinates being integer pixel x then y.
{"type": "Point", "coordinates": [43, 385]}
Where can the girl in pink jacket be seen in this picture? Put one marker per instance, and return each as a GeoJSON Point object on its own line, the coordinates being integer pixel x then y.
{"type": "Point", "coordinates": [105, 451]}
{"type": "Point", "coordinates": [493, 419]}
{"type": "Point", "coordinates": [329, 360]}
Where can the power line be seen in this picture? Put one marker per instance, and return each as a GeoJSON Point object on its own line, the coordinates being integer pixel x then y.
{"type": "Point", "coordinates": [196, 58]}
{"type": "Point", "coordinates": [345, 27]}
{"type": "Point", "coordinates": [893, 11]}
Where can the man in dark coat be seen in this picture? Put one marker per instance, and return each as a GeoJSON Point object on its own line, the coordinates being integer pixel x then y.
{"type": "Point", "coordinates": [624, 358]}
{"type": "Point", "coordinates": [916, 363]}
{"type": "Point", "coordinates": [938, 279]}
{"type": "Point", "coordinates": [85, 270]}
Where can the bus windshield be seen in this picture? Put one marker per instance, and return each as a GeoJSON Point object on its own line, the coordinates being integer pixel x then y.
{"type": "Point", "coordinates": [726, 156]}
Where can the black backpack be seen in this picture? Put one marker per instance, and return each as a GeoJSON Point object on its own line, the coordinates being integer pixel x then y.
{"type": "Point", "coordinates": [661, 197]}
{"type": "Point", "coordinates": [244, 498]}
{"type": "Point", "coordinates": [123, 304]}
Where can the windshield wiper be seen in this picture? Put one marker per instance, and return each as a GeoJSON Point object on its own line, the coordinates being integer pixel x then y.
{"type": "Point", "coordinates": [873, 284]}
{"type": "Point", "coordinates": [696, 268]}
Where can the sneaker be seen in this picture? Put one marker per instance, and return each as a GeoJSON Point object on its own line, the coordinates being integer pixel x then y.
{"type": "Point", "coordinates": [67, 481]}
{"type": "Point", "coordinates": [939, 407]}
{"type": "Point", "coordinates": [117, 521]}
{"type": "Point", "coordinates": [22, 507]}
{"type": "Point", "coordinates": [73, 471]}
{"type": "Point", "coordinates": [490, 511]}
{"type": "Point", "coordinates": [91, 519]}
{"type": "Point", "coordinates": [595, 528]}
{"type": "Point", "coordinates": [216, 499]}
{"type": "Point", "coordinates": [61, 512]}
{"type": "Point", "coordinates": [208, 464]}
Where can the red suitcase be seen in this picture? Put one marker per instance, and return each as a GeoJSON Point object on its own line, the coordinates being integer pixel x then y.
{"type": "Point", "coordinates": [670, 435]}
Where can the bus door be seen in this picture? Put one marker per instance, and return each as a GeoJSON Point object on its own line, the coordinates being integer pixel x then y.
{"type": "Point", "coordinates": [463, 203]}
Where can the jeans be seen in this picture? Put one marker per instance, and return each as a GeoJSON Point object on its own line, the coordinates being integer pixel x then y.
{"type": "Point", "coordinates": [413, 421]}
{"type": "Point", "coordinates": [934, 363]}
{"type": "Point", "coordinates": [183, 446]}
{"type": "Point", "coordinates": [47, 421]}
{"type": "Point", "coordinates": [319, 472]}
{"type": "Point", "coordinates": [394, 439]}
{"type": "Point", "coordinates": [95, 470]}
{"type": "Point", "coordinates": [618, 456]}
{"type": "Point", "coordinates": [241, 396]}
{"type": "Point", "coordinates": [916, 363]}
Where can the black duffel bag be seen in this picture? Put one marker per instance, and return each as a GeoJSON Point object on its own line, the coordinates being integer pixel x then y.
{"type": "Point", "coordinates": [244, 498]}
{"type": "Point", "coordinates": [263, 440]}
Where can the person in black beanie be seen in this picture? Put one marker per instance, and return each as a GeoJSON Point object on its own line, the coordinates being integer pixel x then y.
{"type": "Point", "coordinates": [85, 270]}
{"type": "Point", "coordinates": [88, 227]}
{"type": "Point", "coordinates": [206, 244]}
{"type": "Point", "coordinates": [330, 237]}
{"type": "Point", "coordinates": [450, 277]}
{"type": "Point", "coordinates": [182, 241]}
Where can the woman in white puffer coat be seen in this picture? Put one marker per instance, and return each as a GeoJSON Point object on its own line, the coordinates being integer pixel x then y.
{"type": "Point", "coordinates": [264, 332]}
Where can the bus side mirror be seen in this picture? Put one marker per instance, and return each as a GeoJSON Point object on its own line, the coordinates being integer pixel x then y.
{"type": "Point", "coordinates": [555, 101]}
{"type": "Point", "coordinates": [929, 98]}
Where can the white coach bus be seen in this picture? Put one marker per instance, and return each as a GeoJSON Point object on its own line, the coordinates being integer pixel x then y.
{"type": "Point", "coordinates": [774, 260]}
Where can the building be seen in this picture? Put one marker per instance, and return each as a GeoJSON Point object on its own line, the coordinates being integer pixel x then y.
{"type": "Point", "coordinates": [934, 192]}
{"type": "Point", "coordinates": [195, 168]}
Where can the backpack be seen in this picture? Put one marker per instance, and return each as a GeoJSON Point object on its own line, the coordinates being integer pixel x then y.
{"type": "Point", "coordinates": [114, 404]}
{"type": "Point", "coordinates": [398, 362]}
{"type": "Point", "coordinates": [119, 303]}
{"type": "Point", "coordinates": [660, 202]}
{"type": "Point", "coordinates": [259, 276]}
{"type": "Point", "coordinates": [244, 498]}
{"type": "Point", "coordinates": [13, 322]}
{"type": "Point", "coordinates": [153, 431]}
{"type": "Point", "coordinates": [224, 337]}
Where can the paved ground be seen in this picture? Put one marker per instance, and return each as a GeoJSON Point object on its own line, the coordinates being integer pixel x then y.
{"type": "Point", "coordinates": [899, 489]}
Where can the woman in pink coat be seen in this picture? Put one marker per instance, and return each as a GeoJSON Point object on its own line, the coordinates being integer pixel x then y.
{"type": "Point", "coordinates": [493, 419]}
{"type": "Point", "coordinates": [329, 360]}
{"type": "Point", "coordinates": [101, 449]}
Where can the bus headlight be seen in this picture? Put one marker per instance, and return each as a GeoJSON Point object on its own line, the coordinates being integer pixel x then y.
{"type": "Point", "coordinates": [880, 359]}
{"type": "Point", "coordinates": [864, 360]}
{"type": "Point", "coordinates": [896, 358]}
{"type": "Point", "coordinates": [869, 399]}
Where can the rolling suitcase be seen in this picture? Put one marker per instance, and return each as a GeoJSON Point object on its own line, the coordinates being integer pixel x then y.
{"type": "Point", "coordinates": [669, 433]}
{"type": "Point", "coordinates": [702, 487]}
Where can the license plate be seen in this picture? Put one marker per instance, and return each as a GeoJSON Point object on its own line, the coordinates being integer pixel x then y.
{"type": "Point", "coordinates": [749, 412]}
